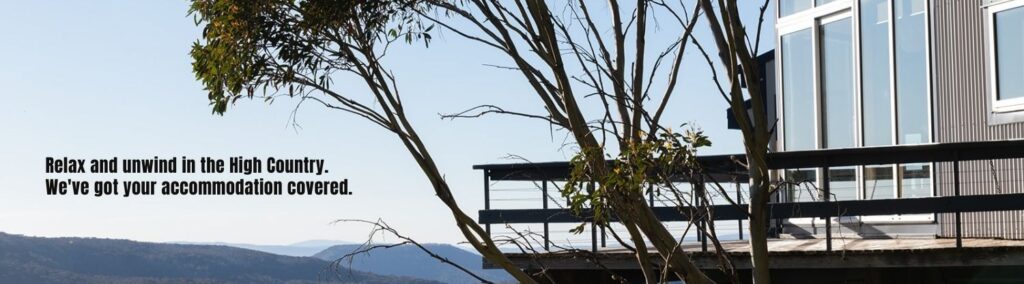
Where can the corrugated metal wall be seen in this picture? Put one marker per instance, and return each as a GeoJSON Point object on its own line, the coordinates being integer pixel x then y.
{"type": "Point", "coordinates": [961, 114]}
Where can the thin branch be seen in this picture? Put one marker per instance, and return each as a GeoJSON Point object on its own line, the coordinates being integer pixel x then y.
{"type": "Point", "coordinates": [382, 227]}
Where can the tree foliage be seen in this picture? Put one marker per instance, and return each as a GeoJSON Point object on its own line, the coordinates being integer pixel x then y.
{"type": "Point", "coordinates": [296, 48]}
{"type": "Point", "coordinates": [283, 45]}
{"type": "Point", "coordinates": [567, 54]}
{"type": "Point", "coordinates": [641, 166]}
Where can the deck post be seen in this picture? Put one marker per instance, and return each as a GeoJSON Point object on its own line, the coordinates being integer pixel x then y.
{"type": "Point", "coordinates": [604, 238]}
{"type": "Point", "coordinates": [739, 200]}
{"type": "Point", "coordinates": [593, 221]}
{"type": "Point", "coordinates": [696, 224]}
{"type": "Point", "coordinates": [828, 217]}
{"type": "Point", "coordinates": [956, 192]}
{"type": "Point", "coordinates": [703, 221]}
{"type": "Point", "coordinates": [487, 196]}
{"type": "Point", "coordinates": [547, 238]}
{"type": "Point", "coordinates": [650, 194]}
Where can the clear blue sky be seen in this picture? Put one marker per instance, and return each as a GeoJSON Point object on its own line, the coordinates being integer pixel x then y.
{"type": "Point", "coordinates": [97, 79]}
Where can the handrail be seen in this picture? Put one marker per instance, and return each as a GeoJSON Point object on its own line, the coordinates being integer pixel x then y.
{"type": "Point", "coordinates": [728, 168]}
{"type": "Point", "coordinates": [922, 205]}
{"type": "Point", "coordinates": [725, 164]}
{"type": "Point", "coordinates": [902, 154]}
{"type": "Point", "coordinates": [721, 166]}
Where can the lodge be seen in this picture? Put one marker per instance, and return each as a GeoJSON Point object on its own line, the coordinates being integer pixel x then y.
{"type": "Point", "coordinates": [898, 145]}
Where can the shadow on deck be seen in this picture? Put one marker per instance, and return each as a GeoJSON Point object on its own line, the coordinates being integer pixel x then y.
{"type": "Point", "coordinates": [913, 260]}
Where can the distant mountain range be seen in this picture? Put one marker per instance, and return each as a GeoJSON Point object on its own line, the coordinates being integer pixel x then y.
{"type": "Point", "coordinates": [410, 261]}
{"type": "Point", "coordinates": [88, 260]}
{"type": "Point", "coordinates": [304, 248]}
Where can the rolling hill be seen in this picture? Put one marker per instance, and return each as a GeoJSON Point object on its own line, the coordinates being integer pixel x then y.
{"type": "Point", "coordinates": [410, 261]}
{"type": "Point", "coordinates": [305, 248]}
{"type": "Point", "coordinates": [88, 260]}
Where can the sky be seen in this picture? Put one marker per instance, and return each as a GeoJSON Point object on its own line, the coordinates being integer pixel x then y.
{"type": "Point", "coordinates": [102, 79]}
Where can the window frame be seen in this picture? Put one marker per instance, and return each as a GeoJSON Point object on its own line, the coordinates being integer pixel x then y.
{"type": "Point", "coordinates": [812, 18]}
{"type": "Point", "coordinates": [820, 94]}
{"type": "Point", "coordinates": [1005, 105]}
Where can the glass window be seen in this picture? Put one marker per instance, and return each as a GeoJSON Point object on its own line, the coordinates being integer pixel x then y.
{"type": "Point", "coordinates": [819, 89]}
{"type": "Point", "coordinates": [801, 185]}
{"type": "Point", "coordinates": [788, 7]}
{"type": "Point", "coordinates": [878, 182]}
{"type": "Point", "coordinates": [837, 83]}
{"type": "Point", "coordinates": [798, 91]}
{"type": "Point", "coordinates": [915, 180]}
{"type": "Point", "coordinates": [874, 42]}
{"type": "Point", "coordinates": [876, 96]}
{"type": "Point", "coordinates": [912, 92]}
{"type": "Point", "coordinates": [1009, 61]}
{"type": "Point", "coordinates": [842, 183]}
{"type": "Point", "coordinates": [911, 71]}
{"type": "Point", "coordinates": [836, 56]}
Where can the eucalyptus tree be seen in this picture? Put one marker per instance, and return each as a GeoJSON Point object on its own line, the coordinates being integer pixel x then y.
{"type": "Point", "coordinates": [575, 50]}
{"type": "Point", "coordinates": [275, 48]}
{"type": "Point", "coordinates": [569, 54]}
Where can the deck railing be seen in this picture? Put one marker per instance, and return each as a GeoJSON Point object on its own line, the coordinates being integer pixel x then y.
{"type": "Point", "coordinates": [724, 166]}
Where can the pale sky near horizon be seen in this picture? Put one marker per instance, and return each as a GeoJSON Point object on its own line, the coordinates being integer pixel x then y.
{"type": "Point", "coordinates": [99, 79]}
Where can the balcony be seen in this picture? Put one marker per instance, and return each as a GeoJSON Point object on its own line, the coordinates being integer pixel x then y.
{"type": "Point", "coordinates": [537, 207]}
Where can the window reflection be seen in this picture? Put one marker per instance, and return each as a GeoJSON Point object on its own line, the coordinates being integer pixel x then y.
{"type": "Point", "coordinates": [912, 92]}
{"type": "Point", "coordinates": [874, 41]}
{"type": "Point", "coordinates": [843, 183]}
{"type": "Point", "coordinates": [1009, 37]}
{"type": "Point", "coordinates": [837, 83]}
{"type": "Point", "coordinates": [911, 69]}
{"type": "Point", "coordinates": [797, 91]}
{"type": "Point", "coordinates": [800, 185]}
{"type": "Point", "coordinates": [916, 180]}
{"type": "Point", "coordinates": [878, 182]}
{"type": "Point", "coordinates": [894, 99]}
{"type": "Point", "coordinates": [876, 94]}
{"type": "Point", "coordinates": [788, 7]}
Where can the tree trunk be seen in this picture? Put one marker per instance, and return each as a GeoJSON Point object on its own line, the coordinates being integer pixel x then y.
{"type": "Point", "coordinates": [758, 240]}
{"type": "Point", "coordinates": [760, 194]}
{"type": "Point", "coordinates": [676, 259]}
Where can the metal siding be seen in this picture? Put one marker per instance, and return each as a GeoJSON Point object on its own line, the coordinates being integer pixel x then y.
{"type": "Point", "coordinates": [961, 114]}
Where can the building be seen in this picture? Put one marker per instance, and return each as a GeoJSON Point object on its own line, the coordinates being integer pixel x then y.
{"type": "Point", "coordinates": [900, 121]}
{"type": "Point", "coordinates": [940, 71]}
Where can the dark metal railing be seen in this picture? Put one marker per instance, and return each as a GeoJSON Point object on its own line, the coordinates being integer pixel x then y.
{"type": "Point", "coordinates": [725, 165]}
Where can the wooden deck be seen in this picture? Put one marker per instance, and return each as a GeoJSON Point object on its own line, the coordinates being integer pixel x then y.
{"type": "Point", "coordinates": [811, 246]}
{"type": "Point", "coordinates": [811, 254]}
